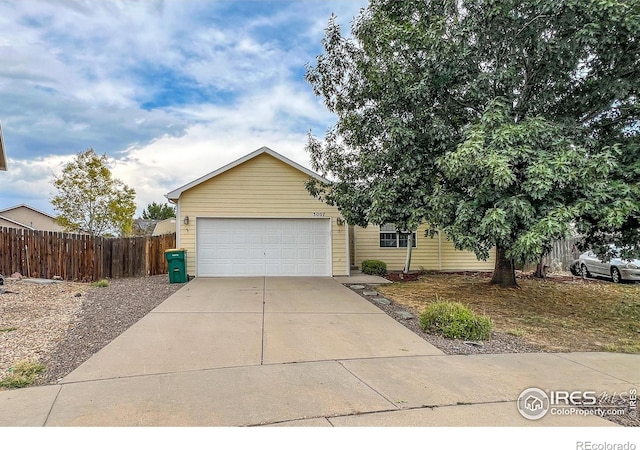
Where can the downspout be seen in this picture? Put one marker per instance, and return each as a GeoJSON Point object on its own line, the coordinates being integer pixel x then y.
{"type": "Point", "coordinates": [178, 222]}
{"type": "Point", "coordinates": [348, 239]}
{"type": "Point", "coordinates": [439, 251]}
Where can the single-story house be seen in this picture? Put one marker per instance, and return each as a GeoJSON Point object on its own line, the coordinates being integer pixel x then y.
{"type": "Point", "coordinates": [254, 216]}
{"type": "Point", "coordinates": [29, 218]}
{"type": "Point", "coordinates": [3, 156]}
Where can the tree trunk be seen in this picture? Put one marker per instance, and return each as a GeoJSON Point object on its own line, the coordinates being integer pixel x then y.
{"type": "Point", "coordinates": [407, 262]}
{"type": "Point", "coordinates": [504, 274]}
{"type": "Point", "coordinates": [540, 269]}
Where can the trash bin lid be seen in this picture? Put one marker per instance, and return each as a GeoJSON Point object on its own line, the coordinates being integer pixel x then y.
{"type": "Point", "coordinates": [169, 250]}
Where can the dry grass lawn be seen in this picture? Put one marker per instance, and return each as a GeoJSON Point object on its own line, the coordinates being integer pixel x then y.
{"type": "Point", "coordinates": [559, 316]}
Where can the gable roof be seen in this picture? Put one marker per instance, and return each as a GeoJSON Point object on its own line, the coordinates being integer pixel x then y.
{"type": "Point", "coordinates": [175, 194]}
{"type": "Point", "coordinates": [3, 156]}
{"type": "Point", "coordinates": [22, 205]}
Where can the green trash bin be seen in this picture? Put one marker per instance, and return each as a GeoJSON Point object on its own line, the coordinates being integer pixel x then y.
{"type": "Point", "coordinates": [177, 265]}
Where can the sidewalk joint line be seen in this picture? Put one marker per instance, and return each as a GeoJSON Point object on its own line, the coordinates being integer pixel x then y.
{"type": "Point", "coordinates": [560, 355]}
{"type": "Point", "coordinates": [158, 374]}
{"type": "Point", "coordinates": [46, 419]}
{"type": "Point", "coordinates": [368, 385]}
{"type": "Point", "coordinates": [380, 411]}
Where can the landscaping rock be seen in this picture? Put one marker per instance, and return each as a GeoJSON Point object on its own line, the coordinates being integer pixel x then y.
{"type": "Point", "coordinates": [370, 293]}
{"type": "Point", "coordinates": [404, 315]}
{"type": "Point", "coordinates": [357, 287]}
{"type": "Point", "coordinates": [474, 344]}
{"type": "Point", "coordinates": [381, 301]}
{"type": "Point", "coordinates": [39, 281]}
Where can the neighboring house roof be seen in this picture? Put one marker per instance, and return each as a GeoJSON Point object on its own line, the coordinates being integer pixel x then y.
{"type": "Point", "coordinates": [22, 205]}
{"type": "Point", "coordinates": [25, 216]}
{"type": "Point", "coordinates": [175, 194]}
{"type": "Point", "coordinates": [3, 156]}
{"type": "Point", "coordinates": [166, 226]}
{"type": "Point", "coordinates": [144, 226]}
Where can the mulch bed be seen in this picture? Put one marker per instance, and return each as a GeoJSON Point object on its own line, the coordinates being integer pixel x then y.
{"type": "Point", "coordinates": [399, 276]}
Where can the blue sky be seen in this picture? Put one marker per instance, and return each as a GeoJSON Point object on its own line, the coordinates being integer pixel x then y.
{"type": "Point", "coordinates": [168, 90]}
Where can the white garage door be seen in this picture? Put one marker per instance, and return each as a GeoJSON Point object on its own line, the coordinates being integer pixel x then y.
{"type": "Point", "coordinates": [269, 247]}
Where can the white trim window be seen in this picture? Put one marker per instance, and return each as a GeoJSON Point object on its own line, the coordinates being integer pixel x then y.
{"type": "Point", "coordinates": [392, 238]}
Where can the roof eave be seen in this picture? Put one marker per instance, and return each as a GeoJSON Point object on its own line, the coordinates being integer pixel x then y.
{"type": "Point", "coordinates": [28, 207]}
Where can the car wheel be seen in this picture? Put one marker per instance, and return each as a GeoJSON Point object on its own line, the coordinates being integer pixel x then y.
{"type": "Point", "coordinates": [615, 275]}
{"type": "Point", "coordinates": [585, 272]}
{"type": "Point", "coordinates": [575, 270]}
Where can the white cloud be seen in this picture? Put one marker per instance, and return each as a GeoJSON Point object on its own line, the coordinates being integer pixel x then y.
{"type": "Point", "coordinates": [223, 134]}
{"type": "Point", "coordinates": [171, 90]}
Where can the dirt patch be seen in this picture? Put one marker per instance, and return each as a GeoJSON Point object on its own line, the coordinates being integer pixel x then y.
{"type": "Point", "coordinates": [35, 317]}
{"type": "Point", "coordinates": [559, 316]}
{"type": "Point", "coordinates": [498, 342]}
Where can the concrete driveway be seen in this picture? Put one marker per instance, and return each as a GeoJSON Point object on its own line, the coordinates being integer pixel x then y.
{"type": "Point", "coordinates": [298, 351]}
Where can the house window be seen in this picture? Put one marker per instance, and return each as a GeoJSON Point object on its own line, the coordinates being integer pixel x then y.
{"type": "Point", "coordinates": [391, 238]}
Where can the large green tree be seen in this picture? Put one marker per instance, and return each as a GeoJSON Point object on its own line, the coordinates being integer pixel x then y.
{"type": "Point", "coordinates": [499, 122]}
{"type": "Point", "coordinates": [157, 211]}
{"type": "Point", "coordinates": [90, 200]}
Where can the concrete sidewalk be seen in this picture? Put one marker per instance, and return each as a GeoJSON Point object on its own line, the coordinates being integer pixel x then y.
{"type": "Point", "coordinates": [299, 351]}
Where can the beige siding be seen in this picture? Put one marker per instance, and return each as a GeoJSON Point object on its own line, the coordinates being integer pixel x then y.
{"type": "Point", "coordinates": [260, 187]}
{"type": "Point", "coordinates": [32, 218]}
{"type": "Point", "coordinates": [436, 253]}
{"type": "Point", "coordinates": [455, 260]}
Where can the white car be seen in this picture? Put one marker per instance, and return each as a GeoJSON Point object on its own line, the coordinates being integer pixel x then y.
{"type": "Point", "coordinates": [616, 268]}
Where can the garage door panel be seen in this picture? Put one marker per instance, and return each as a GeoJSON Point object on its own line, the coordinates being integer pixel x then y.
{"type": "Point", "coordinates": [272, 247]}
{"type": "Point", "coordinates": [289, 238]}
{"type": "Point", "coordinates": [289, 254]}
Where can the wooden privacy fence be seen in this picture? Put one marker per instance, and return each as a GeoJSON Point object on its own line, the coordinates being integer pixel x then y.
{"type": "Point", "coordinates": [78, 257]}
{"type": "Point", "coordinates": [563, 253]}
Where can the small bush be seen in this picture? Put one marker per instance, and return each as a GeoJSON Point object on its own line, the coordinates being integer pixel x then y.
{"type": "Point", "coordinates": [100, 283]}
{"type": "Point", "coordinates": [374, 267]}
{"type": "Point", "coordinates": [22, 374]}
{"type": "Point", "coordinates": [455, 321]}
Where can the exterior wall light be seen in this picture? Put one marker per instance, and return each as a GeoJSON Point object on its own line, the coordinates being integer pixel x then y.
{"type": "Point", "coordinates": [186, 220]}
{"type": "Point", "coordinates": [340, 221]}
